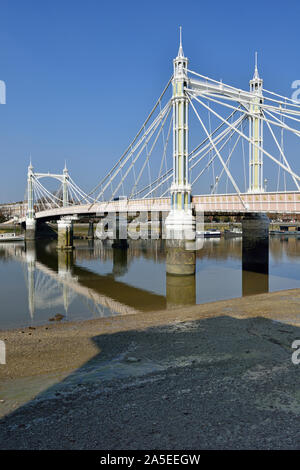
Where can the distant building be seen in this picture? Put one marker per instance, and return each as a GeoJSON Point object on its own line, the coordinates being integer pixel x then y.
{"type": "Point", "coordinates": [14, 209]}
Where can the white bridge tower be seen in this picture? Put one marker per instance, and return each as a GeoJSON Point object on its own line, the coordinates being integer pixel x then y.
{"type": "Point", "coordinates": [30, 215]}
{"type": "Point", "coordinates": [180, 223]}
{"type": "Point", "coordinates": [256, 135]}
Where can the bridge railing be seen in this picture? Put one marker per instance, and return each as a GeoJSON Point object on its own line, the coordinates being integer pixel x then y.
{"type": "Point", "coordinates": [277, 202]}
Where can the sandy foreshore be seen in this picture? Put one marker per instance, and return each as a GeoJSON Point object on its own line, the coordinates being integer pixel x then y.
{"type": "Point", "coordinates": [217, 375]}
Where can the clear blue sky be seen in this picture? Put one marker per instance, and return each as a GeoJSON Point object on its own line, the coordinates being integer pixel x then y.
{"type": "Point", "coordinates": [82, 75]}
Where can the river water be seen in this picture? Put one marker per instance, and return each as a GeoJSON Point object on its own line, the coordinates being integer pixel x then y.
{"type": "Point", "coordinates": [97, 280]}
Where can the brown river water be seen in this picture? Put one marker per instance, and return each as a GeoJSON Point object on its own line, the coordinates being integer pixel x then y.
{"type": "Point", "coordinates": [38, 284]}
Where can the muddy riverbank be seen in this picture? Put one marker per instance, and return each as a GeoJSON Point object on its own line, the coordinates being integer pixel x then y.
{"type": "Point", "coordinates": [217, 375]}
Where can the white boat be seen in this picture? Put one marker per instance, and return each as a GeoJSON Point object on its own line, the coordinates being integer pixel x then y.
{"type": "Point", "coordinates": [209, 234]}
{"type": "Point", "coordinates": [11, 237]}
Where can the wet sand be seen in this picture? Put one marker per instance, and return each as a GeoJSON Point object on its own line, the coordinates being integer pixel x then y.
{"type": "Point", "coordinates": [215, 375]}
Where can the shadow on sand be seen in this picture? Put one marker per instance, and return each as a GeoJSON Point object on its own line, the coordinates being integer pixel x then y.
{"type": "Point", "coordinates": [217, 383]}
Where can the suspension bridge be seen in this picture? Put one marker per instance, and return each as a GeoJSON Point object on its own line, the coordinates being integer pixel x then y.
{"type": "Point", "coordinates": [202, 136]}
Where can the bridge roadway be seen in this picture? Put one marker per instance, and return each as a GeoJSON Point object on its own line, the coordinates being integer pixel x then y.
{"type": "Point", "coordinates": [271, 202]}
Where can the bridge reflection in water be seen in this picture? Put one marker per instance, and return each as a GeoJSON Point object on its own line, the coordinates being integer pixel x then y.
{"type": "Point", "coordinates": [56, 279]}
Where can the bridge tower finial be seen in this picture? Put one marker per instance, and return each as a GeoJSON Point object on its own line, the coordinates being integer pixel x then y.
{"type": "Point", "coordinates": [256, 74]}
{"type": "Point", "coordinates": [30, 167]}
{"type": "Point", "coordinates": [180, 50]}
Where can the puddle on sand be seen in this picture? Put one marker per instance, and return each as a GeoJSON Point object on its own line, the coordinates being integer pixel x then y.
{"type": "Point", "coordinates": [17, 392]}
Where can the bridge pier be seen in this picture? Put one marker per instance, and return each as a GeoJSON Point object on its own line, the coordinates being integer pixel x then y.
{"type": "Point", "coordinates": [91, 230]}
{"type": "Point", "coordinates": [180, 260]}
{"type": "Point", "coordinates": [180, 274]}
{"type": "Point", "coordinates": [255, 253]}
{"type": "Point", "coordinates": [120, 240]}
{"type": "Point", "coordinates": [30, 229]}
{"type": "Point", "coordinates": [65, 233]}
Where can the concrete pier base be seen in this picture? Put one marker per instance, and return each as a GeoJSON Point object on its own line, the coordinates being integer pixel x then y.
{"type": "Point", "coordinates": [120, 240]}
{"type": "Point", "coordinates": [65, 234]}
{"type": "Point", "coordinates": [180, 260]}
{"type": "Point", "coordinates": [30, 232]}
{"type": "Point", "coordinates": [255, 253]}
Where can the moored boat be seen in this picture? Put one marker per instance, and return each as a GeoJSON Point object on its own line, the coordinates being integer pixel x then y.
{"type": "Point", "coordinates": [232, 233]}
{"type": "Point", "coordinates": [295, 233]}
{"type": "Point", "coordinates": [213, 233]}
{"type": "Point", "coordinates": [11, 237]}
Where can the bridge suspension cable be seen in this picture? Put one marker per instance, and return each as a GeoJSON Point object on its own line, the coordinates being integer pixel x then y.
{"type": "Point", "coordinates": [207, 150]}
{"type": "Point", "coordinates": [129, 149]}
{"type": "Point", "coordinates": [286, 168]}
{"type": "Point", "coordinates": [219, 155]}
{"type": "Point", "coordinates": [162, 179]}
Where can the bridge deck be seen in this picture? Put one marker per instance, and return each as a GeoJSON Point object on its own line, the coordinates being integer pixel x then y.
{"type": "Point", "coordinates": [276, 202]}
{"type": "Point", "coordinates": [281, 202]}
